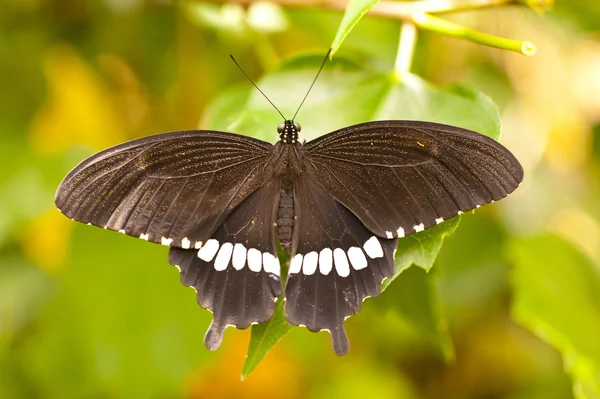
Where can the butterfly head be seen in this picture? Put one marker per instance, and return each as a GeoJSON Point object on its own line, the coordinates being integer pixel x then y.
{"type": "Point", "coordinates": [288, 131]}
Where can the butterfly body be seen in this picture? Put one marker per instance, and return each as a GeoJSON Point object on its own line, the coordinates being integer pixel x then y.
{"type": "Point", "coordinates": [337, 204]}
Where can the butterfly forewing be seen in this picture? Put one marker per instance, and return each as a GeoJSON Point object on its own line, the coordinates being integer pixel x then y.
{"type": "Point", "coordinates": [175, 188]}
{"type": "Point", "coordinates": [401, 177]}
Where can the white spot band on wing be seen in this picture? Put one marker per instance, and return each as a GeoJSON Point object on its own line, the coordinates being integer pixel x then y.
{"type": "Point", "coordinates": [296, 264]}
{"type": "Point", "coordinates": [325, 261]}
{"type": "Point", "coordinates": [209, 250]}
{"type": "Point", "coordinates": [357, 258]}
{"type": "Point", "coordinates": [309, 266]}
{"type": "Point", "coordinates": [373, 248]}
{"type": "Point", "coordinates": [224, 256]}
{"type": "Point", "coordinates": [239, 256]}
{"type": "Point", "coordinates": [254, 260]}
{"type": "Point", "coordinates": [341, 262]}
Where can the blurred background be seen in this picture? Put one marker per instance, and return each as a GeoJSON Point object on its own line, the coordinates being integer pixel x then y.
{"type": "Point", "coordinates": [86, 313]}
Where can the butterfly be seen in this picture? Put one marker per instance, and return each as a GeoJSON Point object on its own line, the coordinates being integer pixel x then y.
{"type": "Point", "coordinates": [337, 204]}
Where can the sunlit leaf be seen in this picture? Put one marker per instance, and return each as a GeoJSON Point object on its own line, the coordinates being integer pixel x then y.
{"type": "Point", "coordinates": [557, 297]}
{"type": "Point", "coordinates": [422, 248]}
{"type": "Point", "coordinates": [264, 337]}
{"type": "Point", "coordinates": [354, 12]}
{"type": "Point", "coordinates": [345, 95]}
{"type": "Point", "coordinates": [414, 296]}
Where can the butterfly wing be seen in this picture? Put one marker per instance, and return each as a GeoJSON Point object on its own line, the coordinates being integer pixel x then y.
{"type": "Point", "coordinates": [401, 177]}
{"type": "Point", "coordinates": [368, 184]}
{"type": "Point", "coordinates": [336, 263]}
{"type": "Point", "coordinates": [236, 274]}
{"type": "Point", "coordinates": [173, 188]}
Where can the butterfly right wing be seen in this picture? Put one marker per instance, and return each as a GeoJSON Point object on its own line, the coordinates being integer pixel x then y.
{"type": "Point", "coordinates": [174, 188]}
{"type": "Point", "coordinates": [401, 177]}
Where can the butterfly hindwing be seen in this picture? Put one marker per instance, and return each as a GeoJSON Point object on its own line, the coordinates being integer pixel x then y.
{"type": "Point", "coordinates": [174, 188]}
{"type": "Point", "coordinates": [401, 177]}
{"type": "Point", "coordinates": [236, 274]}
{"type": "Point", "coordinates": [336, 263]}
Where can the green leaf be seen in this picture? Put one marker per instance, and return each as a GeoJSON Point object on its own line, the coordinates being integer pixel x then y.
{"type": "Point", "coordinates": [557, 297]}
{"type": "Point", "coordinates": [354, 12]}
{"type": "Point", "coordinates": [264, 337]}
{"type": "Point", "coordinates": [416, 99]}
{"type": "Point", "coordinates": [422, 248]}
{"type": "Point", "coordinates": [346, 95]}
{"type": "Point", "coordinates": [115, 326]}
{"type": "Point", "coordinates": [415, 298]}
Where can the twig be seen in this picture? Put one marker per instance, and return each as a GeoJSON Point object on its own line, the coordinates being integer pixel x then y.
{"type": "Point", "coordinates": [419, 13]}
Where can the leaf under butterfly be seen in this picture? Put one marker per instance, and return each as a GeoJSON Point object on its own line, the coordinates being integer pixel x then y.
{"type": "Point", "coordinates": [381, 97]}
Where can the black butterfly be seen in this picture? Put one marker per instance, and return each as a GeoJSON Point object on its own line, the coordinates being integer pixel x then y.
{"type": "Point", "coordinates": [338, 204]}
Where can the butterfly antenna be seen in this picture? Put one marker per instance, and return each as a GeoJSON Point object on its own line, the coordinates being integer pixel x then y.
{"type": "Point", "coordinates": [254, 84]}
{"type": "Point", "coordinates": [313, 83]}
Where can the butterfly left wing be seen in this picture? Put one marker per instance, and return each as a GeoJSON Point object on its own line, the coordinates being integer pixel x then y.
{"type": "Point", "coordinates": [236, 274]}
{"type": "Point", "coordinates": [336, 263]}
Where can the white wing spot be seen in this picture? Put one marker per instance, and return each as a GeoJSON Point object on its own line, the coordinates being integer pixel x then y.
{"type": "Point", "coordinates": [373, 248]}
{"type": "Point", "coordinates": [185, 243]}
{"type": "Point", "coordinates": [357, 258]}
{"type": "Point", "coordinates": [419, 227]}
{"type": "Point", "coordinates": [198, 244]}
{"type": "Point", "coordinates": [459, 213]}
{"type": "Point", "coordinates": [271, 264]}
{"type": "Point", "coordinates": [166, 241]}
{"type": "Point", "coordinates": [254, 260]}
{"type": "Point", "coordinates": [341, 262]}
{"type": "Point", "coordinates": [325, 261]}
{"type": "Point", "coordinates": [400, 232]}
{"type": "Point", "coordinates": [296, 264]}
{"type": "Point", "coordinates": [208, 251]}
{"type": "Point", "coordinates": [224, 256]}
{"type": "Point", "coordinates": [120, 231]}
{"type": "Point", "coordinates": [239, 256]}
{"type": "Point", "coordinates": [309, 266]}
{"type": "Point", "coordinates": [144, 237]}
{"type": "Point", "coordinates": [389, 234]}
{"type": "Point", "coordinates": [439, 220]}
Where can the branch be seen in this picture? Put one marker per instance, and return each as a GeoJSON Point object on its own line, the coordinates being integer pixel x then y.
{"type": "Point", "coordinates": [419, 13]}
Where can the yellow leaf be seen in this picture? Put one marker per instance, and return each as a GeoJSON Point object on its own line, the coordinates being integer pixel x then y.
{"type": "Point", "coordinates": [46, 240]}
{"type": "Point", "coordinates": [78, 108]}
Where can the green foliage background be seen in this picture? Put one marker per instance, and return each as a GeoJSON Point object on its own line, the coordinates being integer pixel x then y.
{"type": "Point", "coordinates": [509, 308]}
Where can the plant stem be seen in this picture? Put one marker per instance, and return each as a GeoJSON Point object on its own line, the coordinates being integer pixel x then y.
{"type": "Point", "coordinates": [435, 24]}
{"type": "Point", "coordinates": [419, 13]}
{"type": "Point", "coordinates": [406, 48]}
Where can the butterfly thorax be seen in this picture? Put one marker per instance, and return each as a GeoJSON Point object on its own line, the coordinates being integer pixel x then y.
{"type": "Point", "coordinates": [288, 131]}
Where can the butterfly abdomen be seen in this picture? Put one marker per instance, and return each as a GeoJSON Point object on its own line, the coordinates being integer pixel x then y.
{"type": "Point", "coordinates": [285, 218]}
